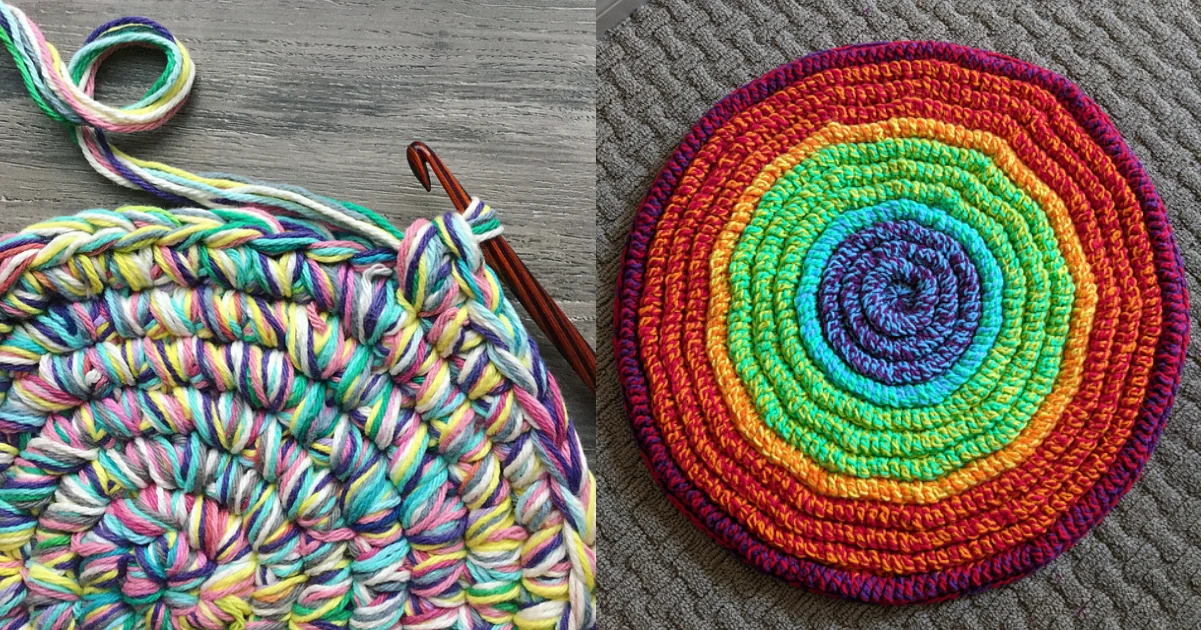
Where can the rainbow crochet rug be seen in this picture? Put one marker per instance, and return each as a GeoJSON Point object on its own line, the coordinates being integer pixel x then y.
{"type": "Point", "coordinates": [901, 321]}
{"type": "Point", "coordinates": [268, 409]}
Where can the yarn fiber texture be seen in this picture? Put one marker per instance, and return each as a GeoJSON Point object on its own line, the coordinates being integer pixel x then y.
{"type": "Point", "coordinates": [901, 321]}
{"type": "Point", "coordinates": [268, 409]}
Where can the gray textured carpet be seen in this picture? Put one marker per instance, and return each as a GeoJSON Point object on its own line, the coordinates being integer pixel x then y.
{"type": "Point", "coordinates": [659, 71]}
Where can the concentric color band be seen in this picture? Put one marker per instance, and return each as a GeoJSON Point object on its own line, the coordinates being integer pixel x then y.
{"type": "Point", "coordinates": [900, 321]}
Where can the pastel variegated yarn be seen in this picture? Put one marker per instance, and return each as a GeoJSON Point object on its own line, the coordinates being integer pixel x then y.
{"type": "Point", "coordinates": [273, 411]}
{"type": "Point", "coordinates": [902, 321]}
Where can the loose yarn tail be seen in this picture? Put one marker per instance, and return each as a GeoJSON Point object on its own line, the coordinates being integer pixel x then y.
{"type": "Point", "coordinates": [65, 93]}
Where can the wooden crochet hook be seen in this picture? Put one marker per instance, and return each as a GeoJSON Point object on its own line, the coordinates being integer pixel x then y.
{"type": "Point", "coordinates": [501, 257]}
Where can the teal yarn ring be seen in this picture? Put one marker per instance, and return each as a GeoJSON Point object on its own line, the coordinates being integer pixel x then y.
{"type": "Point", "coordinates": [930, 392]}
{"type": "Point", "coordinates": [882, 434]}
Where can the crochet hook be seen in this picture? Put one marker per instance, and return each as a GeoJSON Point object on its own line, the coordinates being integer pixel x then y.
{"type": "Point", "coordinates": [537, 302]}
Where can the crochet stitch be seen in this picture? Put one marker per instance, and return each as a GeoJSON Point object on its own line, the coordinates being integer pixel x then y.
{"type": "Point", "coordinates": [274, 410]}
{"type": "Point", "coordinates": [900, 321]}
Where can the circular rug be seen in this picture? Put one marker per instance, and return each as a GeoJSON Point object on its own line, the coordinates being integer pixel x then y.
{"type": "Point", "coordinates": [899, 322]}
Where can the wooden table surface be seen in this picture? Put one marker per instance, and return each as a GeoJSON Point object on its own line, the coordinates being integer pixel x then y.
{"type": "Point", "coordinates": [327, 95]}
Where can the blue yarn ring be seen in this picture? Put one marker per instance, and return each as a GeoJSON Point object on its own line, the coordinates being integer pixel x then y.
{"type": "Point", "coordinates": [831, 360]}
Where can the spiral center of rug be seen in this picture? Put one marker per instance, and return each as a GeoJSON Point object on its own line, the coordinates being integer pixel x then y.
{"type": "Point", "coordinates": [899, 302]}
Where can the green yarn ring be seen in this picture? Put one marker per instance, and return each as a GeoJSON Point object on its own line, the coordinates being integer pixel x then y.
{"type": "Point", "coordinates": [861, 429]}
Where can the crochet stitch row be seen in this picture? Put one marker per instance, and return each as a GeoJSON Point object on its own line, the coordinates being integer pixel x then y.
{"type": "Point", "coordinates": [901, 321]}
{"type": "Point", "coordinates": [281, 414]}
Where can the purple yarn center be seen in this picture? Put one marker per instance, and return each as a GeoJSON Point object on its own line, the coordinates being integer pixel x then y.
{"type": "Point", "coordinates": [899, 302]}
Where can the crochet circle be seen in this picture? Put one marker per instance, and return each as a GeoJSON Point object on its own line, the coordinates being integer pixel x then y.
{"type": "Point", "coordinates": [232, 419]}
{"type": "Point", "coordinates": [266, 408]}
{"type": "Point", "coordinates": [900, 321]}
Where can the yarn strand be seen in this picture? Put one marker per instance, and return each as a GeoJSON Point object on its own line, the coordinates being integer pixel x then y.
{"type": "Point", "coordinates": [65, 93]}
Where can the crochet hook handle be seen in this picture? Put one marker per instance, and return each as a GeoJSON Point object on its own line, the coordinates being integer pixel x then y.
{"type": "Point", "coordinates": [541, 307]}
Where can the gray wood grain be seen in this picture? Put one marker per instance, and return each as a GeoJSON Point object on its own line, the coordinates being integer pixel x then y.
{"type": "Point", "coordinates": [327, 94]}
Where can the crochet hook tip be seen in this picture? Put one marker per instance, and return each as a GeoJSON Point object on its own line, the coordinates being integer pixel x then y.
{"type": "Point", "coordinates": [418, 156]}
{"type": "Point", "coordinates": [423, 159]}
{"type": "Point", "coordinates": [537, 302]}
